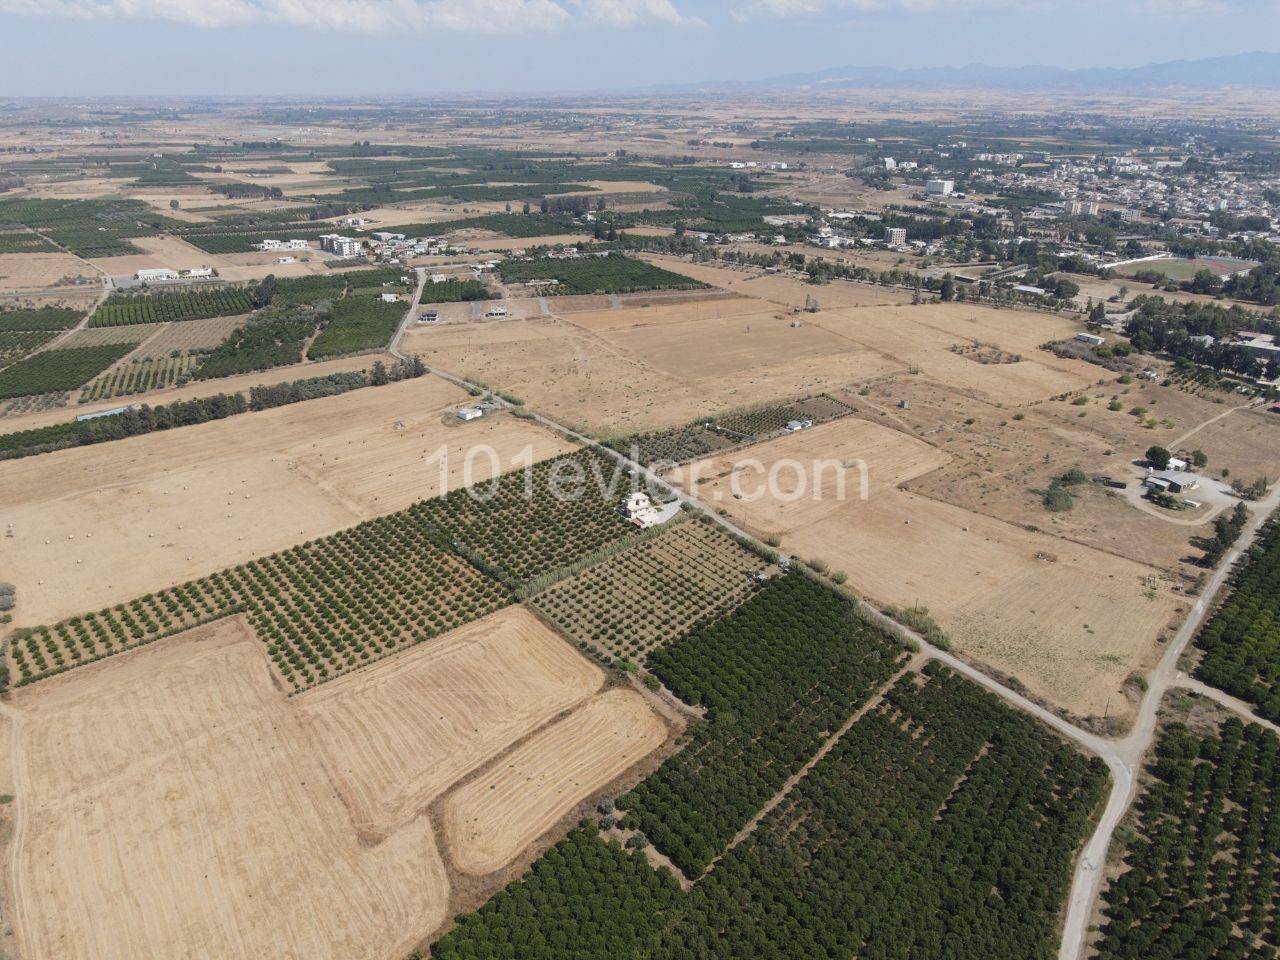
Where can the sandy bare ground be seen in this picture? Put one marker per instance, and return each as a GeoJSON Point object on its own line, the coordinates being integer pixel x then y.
{"type": "Point", "coordinates": [1068, 621]}
{"type": "Point", "coordinates": [785, 291]}
{"type": "Point", "coordinates": [97, 525]}
{"type": "Point", "coordinates": [921, 337]}
{"type": "Point", "coordinates": [468, 696]}
{"type": "Point", "coordinates": [177, 807]}
{"type": "Point", "coordinates": [660, 315]}
{"type": "Point", "coordinates": [492, 818]}
{"type": "Point", "coordinates": [29, 271]}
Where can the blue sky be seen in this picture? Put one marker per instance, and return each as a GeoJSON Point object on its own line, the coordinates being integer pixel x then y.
{"type": "Point", "coordinates": [421, 47]}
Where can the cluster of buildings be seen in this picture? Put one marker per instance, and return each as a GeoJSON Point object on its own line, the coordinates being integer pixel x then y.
{"type": "Point", "coordinates": [165, 275]}
{"type": "Point", "coordinates": [294, 244]}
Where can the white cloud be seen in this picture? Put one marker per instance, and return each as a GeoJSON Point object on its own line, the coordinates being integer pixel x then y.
{"type": "Point", "coordinates": [482, 16]}
{"type": "Point", "coordinates": [625, 13]}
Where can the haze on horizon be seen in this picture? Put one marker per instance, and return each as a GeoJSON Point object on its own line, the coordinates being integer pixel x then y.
{"type": "Point", "coordinates": [423, 47]}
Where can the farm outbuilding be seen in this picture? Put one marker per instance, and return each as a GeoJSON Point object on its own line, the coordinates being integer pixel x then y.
{"type": "Point", "coordinates": [1172, 481]}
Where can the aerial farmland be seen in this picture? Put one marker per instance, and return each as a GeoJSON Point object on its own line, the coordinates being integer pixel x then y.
{"type": "Point", "coordinates": [681, 529]}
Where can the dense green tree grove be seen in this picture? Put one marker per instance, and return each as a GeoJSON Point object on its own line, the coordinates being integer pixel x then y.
{"type": "Point", "coordinates": [1203, 864]}
{"type": "Point", "coordinates": [584, 900]}
{"type": "Point", "coordinates": [41, 318]}
{"type": "Point", "coordinates": [199, 304]}
{"type": "Point", "coordinates": [355, 325]}
{"type": "Point", "coordinates": [274, 339]}
{"type": "Point", "coordinates": [1241, 643]}
{"type": "Point", "coordinates": [777, 676]}
{"type": "Point", "coordinates": [613, 273]}
{"type": "Point", "coordinates": [942, 825]}
{"type": "Point", "coordinates": [456, 291]}
{"type": "Point", "coordinates": [58, 370]}
{"type": "Point", "coordinates": [528, 522]}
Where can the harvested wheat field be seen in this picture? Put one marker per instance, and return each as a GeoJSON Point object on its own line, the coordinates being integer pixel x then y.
{"type": "Point", "coordinates": [706, 348]}
{"type": "Point", "coordinates": [174, 805]}
{"type": "Point", "coordinates": [488, 821]}
{"type": "Point", "coordinates": [656, 313]}
{"type": "Point", "coordinates": [426, 719]}
{"type": "Point", "coordinates": [627, 380]}
{"type": "Point", "coordinates": [97, 525]}
{"type": "Point", "coordinates": [1070, 622]}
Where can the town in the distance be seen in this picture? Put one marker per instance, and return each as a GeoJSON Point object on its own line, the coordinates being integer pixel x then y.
{"type": "Point", "coordinates": [818, 518]}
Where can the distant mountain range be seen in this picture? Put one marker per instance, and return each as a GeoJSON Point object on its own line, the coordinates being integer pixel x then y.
{"type": "Point", "coordinates": [1255, 70]}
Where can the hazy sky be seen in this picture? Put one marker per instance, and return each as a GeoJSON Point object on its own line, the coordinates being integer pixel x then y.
{"type": "Point", "coordinates": [334, 47]}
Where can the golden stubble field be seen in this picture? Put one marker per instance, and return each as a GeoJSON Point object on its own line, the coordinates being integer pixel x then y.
{"type": "Point", "coordinates": [95, 525]}
{"type": "Point", "coordinates": [1070, 622]}
{"type": "Point", "coordinates": [174, 803]}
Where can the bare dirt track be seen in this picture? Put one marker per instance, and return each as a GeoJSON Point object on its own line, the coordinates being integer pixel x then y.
{"type": "Point", "coordinates": [489, 820]}
{"type": "Point", "coordinates": [98, 525]}
{"type": "Point", "coordinates": [1068, 621]}
{"type": "Point", "coordinates": [177, 809]}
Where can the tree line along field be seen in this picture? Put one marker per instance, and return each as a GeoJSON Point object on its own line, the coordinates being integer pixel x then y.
{"type": "Point", "coordinates": [122, 309]}
{"type": "Point", "coordinates": [1241, 642]}
{"type": "Point", "coordinates": [59, 370]}
{"type": "Point", "coordinates": [1203, 857]}
{"type": "Point", "coordinates": [942, 824]}
{"type": "Point", "coordinates": [712, 434]}
{"type": "Point", "coordinates": [456, 291]}
{"type": "Point", "coordinates": [612, 273]}
{"type": "Point", "coordinates": [625, 606]}
{"type": "Point", "coordinates": [508, 224]}
{"type": "Point", "coordinates": [777, 676]}
{"type": "Point", "coordinates": [331, 605]}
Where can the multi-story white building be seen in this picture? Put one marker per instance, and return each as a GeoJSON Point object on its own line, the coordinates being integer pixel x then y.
{"type": "Point", "coordinates": [340, 246]}
{"type": "Point", "coordinates": [940, 188]}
